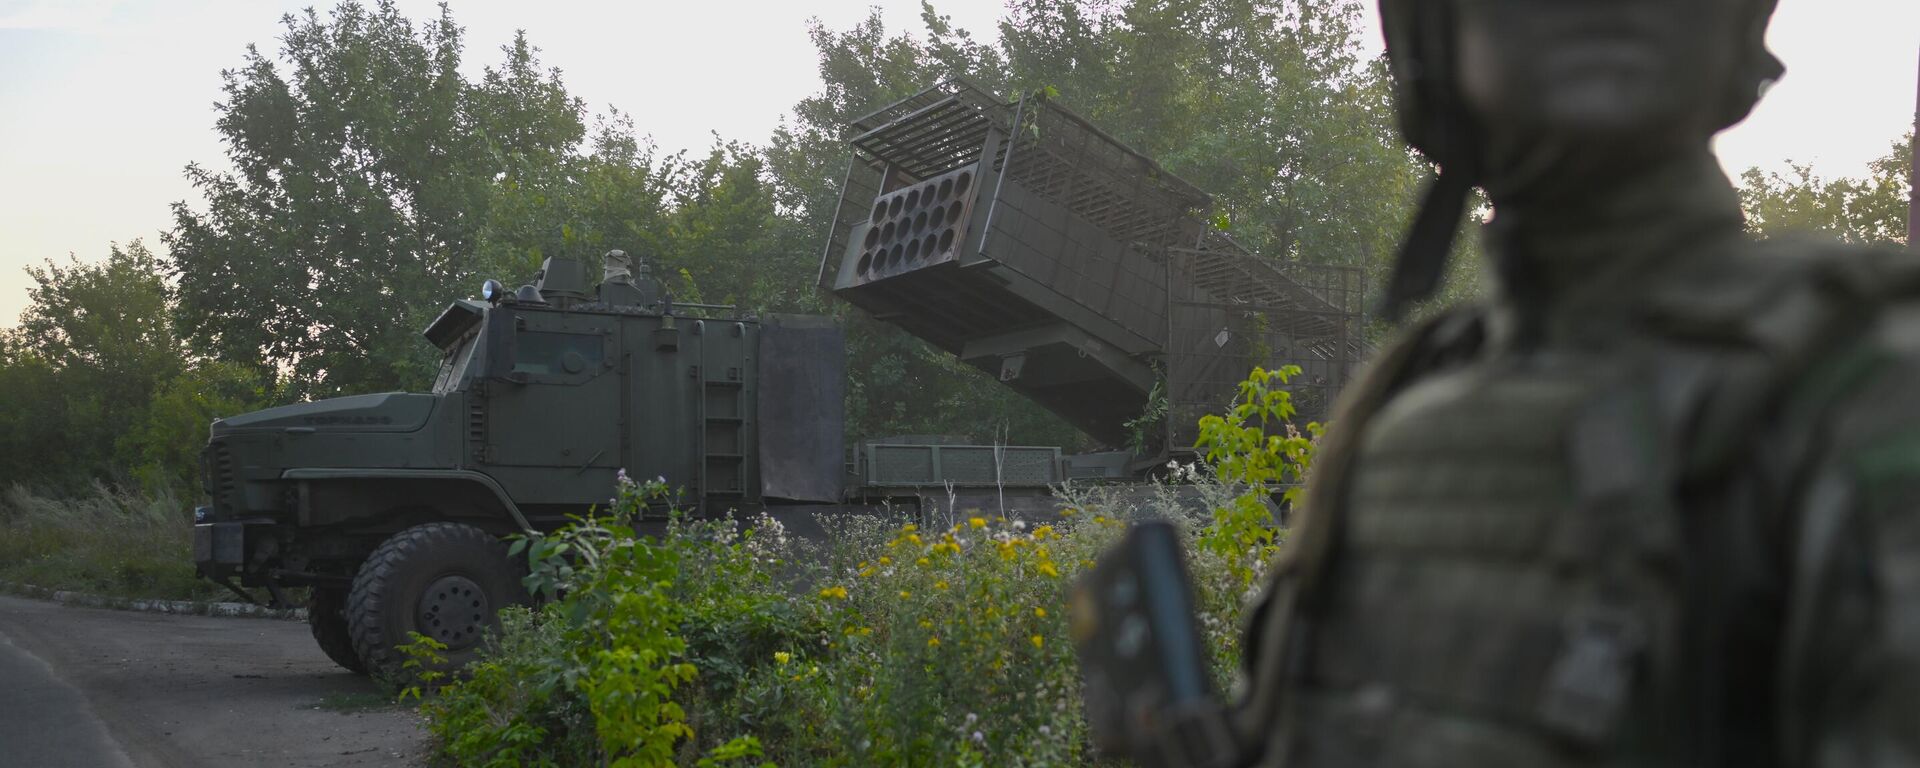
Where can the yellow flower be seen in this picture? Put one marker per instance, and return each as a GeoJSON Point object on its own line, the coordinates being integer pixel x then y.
{"type": "Point", "coordinates": [884, 560]}
{"type": "Point", "coordinates": [1037, 641]}
{"type": "Point", "coordinates": [1046, 569]}
{"type": "Point", "coordinates": [913, 537]}
{"type": "Point", "coordinates": [921, 561]}
{"type": "Point", "coordinates": [1041, 533]}
{"type": "Point", "coordinates": [782, 657]}
{"type": "Point", "coordinates": [1068, 511]}
{"type": "Point", "coordinates": [834, 593]}
{"type": "Point", "coordinates": [905, 594]}
{"type": "Point", "coordinates": [926, 623]}
{"type": "Point", "coordinates": [977, 522]}
{"type": "Point", "coordinates": [933, 642]}
{"type": "Point", "coordinates": [1040, 612]}
{"type": "Point", "coordinates": [940, 585]}
{"type": "Point", "coordinates": [909, 528]}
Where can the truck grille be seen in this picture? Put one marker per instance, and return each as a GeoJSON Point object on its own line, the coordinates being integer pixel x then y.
{"type": "Point", "coordinates": [217, 470]}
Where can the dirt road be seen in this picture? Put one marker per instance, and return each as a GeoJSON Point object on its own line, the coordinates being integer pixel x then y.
{"type": "Point", "coordinates": [93, 687]}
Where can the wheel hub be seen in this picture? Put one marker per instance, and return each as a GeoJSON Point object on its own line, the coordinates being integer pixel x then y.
{"type": "Point", "coordinates": [453, 611]}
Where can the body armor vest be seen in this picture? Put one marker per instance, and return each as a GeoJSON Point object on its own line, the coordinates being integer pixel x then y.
{"type": "Point", "coordinates": [1567, 556]}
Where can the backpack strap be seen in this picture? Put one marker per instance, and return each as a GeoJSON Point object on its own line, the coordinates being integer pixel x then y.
{"type": "Point", "coordinates": [1755, 343]}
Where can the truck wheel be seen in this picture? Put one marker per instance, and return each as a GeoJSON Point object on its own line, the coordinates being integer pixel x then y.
{"type": "Point", "coordinates": [327, 617]}
{"type": "Point", "coordinates": [444, 580]}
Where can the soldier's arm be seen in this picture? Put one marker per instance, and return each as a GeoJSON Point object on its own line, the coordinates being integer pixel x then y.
{"type": "Point", "coordinates": [1851, 672]}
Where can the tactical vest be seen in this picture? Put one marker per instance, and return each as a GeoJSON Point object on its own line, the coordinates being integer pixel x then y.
{"type": "Point", "coordinates": [1576, 555]}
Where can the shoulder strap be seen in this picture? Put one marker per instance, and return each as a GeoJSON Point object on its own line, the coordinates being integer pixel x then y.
{"type": "Point", "coordinates": [1276, 625]}
{"type": "Point", "coordinates": [1762, 317]}
{"type": "Point", "coordinates": [1763, 335]}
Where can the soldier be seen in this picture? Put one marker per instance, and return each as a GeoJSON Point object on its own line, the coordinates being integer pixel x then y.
{"type": "Point", "coordinates": [1659, 503]}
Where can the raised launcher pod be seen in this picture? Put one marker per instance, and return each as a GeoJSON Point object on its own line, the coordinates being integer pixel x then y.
{"type": "Point", "coordinates": [1021, 239]}
{"type": "Point", "coordinates": [1034, 247]}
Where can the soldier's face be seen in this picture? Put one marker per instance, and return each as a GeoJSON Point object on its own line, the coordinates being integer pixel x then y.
{"type": "Point", "coordinates": [1604, 70]}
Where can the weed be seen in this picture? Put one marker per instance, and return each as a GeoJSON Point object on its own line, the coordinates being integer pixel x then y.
{"type": "Point", "coordinates": [105, 541]}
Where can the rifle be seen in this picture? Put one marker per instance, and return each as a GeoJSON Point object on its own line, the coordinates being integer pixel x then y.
{"type": "Point", "coordinates": [1148, 693]}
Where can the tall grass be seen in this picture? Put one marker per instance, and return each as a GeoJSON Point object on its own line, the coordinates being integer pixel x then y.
{"type": "Point", "coordinates": [105, 541]}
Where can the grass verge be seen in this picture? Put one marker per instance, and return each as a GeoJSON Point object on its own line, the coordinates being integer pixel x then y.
{"type": "Point", "coordinates": [105, 542]}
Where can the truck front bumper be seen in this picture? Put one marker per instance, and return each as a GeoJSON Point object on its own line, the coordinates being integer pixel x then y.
{"type": "Point", "coordinates": [221, 550]}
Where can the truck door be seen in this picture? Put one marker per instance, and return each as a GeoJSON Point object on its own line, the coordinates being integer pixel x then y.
{"type": "Point", "coordinates": [553, 424]}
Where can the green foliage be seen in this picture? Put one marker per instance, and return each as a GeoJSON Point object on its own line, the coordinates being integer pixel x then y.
{"type": "Point", "coordinates": [1868, 210]}
{"type": "Point", "coordinates": [94, 348]}
{"type": "Point", "coordinates": [100, 541]}
{"type": "Point", "coordinates": [425, 665]}
{"type": "Point", "coordinates": [1142, 430]}
{"type": "Point", "coordinates": [163, 446]}
{"type": "Point", "coordinates": [905, 646]}
{"type": "Point", "coordinates": [515, 708]}
{"type": "Point", "coordinates": [602, 658]}
{"type": "Point", "coordinates": [889, 643]}
{"type": "Point", "coordinates": [99, 387]}
{"type": "Point", "coordinates": [1255, 447]}
{"type": "Point", "coordinates": [362, 163]}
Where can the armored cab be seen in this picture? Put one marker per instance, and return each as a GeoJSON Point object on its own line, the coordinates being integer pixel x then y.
{"type": "Point", "coordinates": [1036, 248]}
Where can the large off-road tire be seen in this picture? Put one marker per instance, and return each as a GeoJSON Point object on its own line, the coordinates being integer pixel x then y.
{"type": "Point", "coordinates": [327, 617]}
{"type": "Point", "coordinates": [447, 581]}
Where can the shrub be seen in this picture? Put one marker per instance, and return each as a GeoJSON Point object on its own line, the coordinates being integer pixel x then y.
{"type": "Point", "coordinates": [889, 643]}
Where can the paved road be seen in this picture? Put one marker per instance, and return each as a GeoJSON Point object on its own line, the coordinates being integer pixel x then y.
{"type": "Point", "coordinates": [90, 687]}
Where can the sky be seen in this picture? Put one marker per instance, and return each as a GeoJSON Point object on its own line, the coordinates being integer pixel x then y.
{"type": "Point", "coordinates": [104, 102]}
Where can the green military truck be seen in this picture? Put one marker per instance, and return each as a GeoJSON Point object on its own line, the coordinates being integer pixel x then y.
{"type": "Point", "coordinates": [1012, 234]}
{"type": "Point", "coordinates": [391, 507]}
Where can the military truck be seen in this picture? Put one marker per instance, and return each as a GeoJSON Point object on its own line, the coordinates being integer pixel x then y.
{"type": "Point", "coordinates": [391, 508]}
{"type": "Point", "coordinates": [1012, 234]}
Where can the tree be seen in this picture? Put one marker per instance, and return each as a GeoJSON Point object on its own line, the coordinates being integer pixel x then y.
{"type": "Point", "coordinates": [1867, 210]}
{"type": "Point", "coordinates": [162, 447]}
{"type": "Point", "coordinates": [363, 166]}
{"type": "Point", "coordinates": [615, 196]}
{"type": "Point", "coordinates": [93, 346]}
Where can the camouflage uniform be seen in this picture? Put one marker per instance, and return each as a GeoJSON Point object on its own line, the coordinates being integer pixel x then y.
{"type": "Point", "coordinates": [1659, 504]}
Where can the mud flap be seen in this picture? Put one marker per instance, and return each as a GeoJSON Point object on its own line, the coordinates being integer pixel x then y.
{"type": "Point", "coordinates": [803, 379]}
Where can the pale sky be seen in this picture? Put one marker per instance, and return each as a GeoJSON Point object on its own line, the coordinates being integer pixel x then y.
{"type": "Point", "coordinates": [103, 102]}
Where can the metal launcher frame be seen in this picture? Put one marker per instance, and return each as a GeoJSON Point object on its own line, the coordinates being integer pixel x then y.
{"type": "Point", "coordinates": [1033, 246]}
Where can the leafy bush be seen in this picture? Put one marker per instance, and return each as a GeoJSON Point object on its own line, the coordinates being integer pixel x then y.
{"type": "Point", "coordinates": [889, 643]}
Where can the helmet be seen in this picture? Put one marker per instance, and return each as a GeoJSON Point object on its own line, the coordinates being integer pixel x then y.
{"type": "Point", "coordinates": [1421, 43]}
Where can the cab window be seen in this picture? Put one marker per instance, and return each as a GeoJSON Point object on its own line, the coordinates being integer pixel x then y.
{"type": "Point", "coordinates": [547, 353]}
